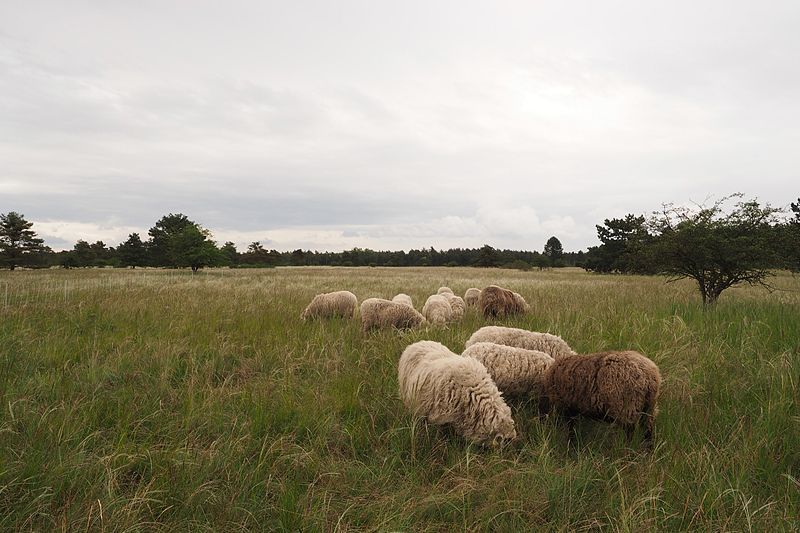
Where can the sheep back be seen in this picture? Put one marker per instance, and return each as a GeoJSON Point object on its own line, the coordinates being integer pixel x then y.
{"type": "Point", "coordinates": [456, 304]}
{"type": "Point", "coordinates": [443, 290]}
{"type": "Point", "coordinates": [515, 371]}
{"type": "Point", "coordinates": [619, 387]}
{"type": "Point", "coordinates": [552, 345]}
{"type": "Point", "coordinates": [380, 313]}
{"type": "Point", "coordinates": [437, 310]}
{"type": "Point", "coordinates": [403, 298]}
{"type": "Point", "coordinates": [496, 301]}
{"type": "Point", "coordinates": [331, 304]}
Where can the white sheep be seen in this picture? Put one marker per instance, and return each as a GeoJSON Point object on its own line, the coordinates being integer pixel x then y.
{"type": "Point", "coordinates": [446, 388]}
{"type": "Point", "coordinates": [403, 298]}
{"type": "Point", "coordinates": [515, 371]}
{"type": "Point", "coordinates": [443, 290]}
{"type": "Point", "coordinates": [437, 310]}
{"type": "Point", "coordinates": [456, 304]}
{"type": "Point", "coordinates": [331, 304]}
{"type": "Point", "coordinates": [380, 313]}
{"type": "Point", "coordinates": [521, 338]}
{"type": "Point", "coordinates": [471, 297]}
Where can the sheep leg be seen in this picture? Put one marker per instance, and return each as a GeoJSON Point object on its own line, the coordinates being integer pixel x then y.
{"type": "Point", "coordinates": [629, 428]}
{"type": "Point", "coordinates": [570, 417]}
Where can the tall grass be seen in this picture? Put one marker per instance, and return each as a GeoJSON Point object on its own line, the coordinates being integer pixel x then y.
{"type": "Point", "coordinates": [147, 399]}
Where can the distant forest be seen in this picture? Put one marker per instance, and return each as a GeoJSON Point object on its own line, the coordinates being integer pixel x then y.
{"type": "Point", "coordinates": [175, 241]}
{"type": "Point", "coordinates": [716, 245]}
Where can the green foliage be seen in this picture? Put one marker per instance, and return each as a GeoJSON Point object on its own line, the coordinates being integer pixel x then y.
{"type": "Point", "coordinates": [230, 256]}
{"type": "Point", "coordinates": [179, 242]}
{"type": "Point", "coordinates": [487, 257]}
{"type": "Point", "coordinates": [622, 243]}
{"type": "Point", "coordinates": [19, 245]}
{"type": "Point", "coordinates": [716, 249]}
{"type": "Point", "coordinates": [553, 250]}
{"type": "Point", "coordinates": [132, 252]}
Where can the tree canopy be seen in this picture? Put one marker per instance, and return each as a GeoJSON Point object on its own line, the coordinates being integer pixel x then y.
{"type": "Point", "coordinates": [19, 244]}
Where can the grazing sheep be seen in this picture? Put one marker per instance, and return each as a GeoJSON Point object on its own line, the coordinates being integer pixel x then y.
{"type": "Point", "coordinates": [380, 313]}
{"type": "Point", "coordinates": [515, 371]}
{"type": "Point", "coordinates": [330, 304]}
{"type": "Point", "coordinates": [403, 298]}
{"type": "Point", "coordinates": [437, 310]}
{"type": "Point", "coordinates": [496, 301]}
{"type": "Point", "coordinates": [456, 304]}
{"type": "Point", "coordinates": [443, 290]}
{"type": "Point", "coordinates": [446, 388]}
{"type": "Point", "coordinates": [617, 387]}
{"type": "Point", "coordinates": [552, 345]}
{"type": "Point", "coordinates": [471, 297]}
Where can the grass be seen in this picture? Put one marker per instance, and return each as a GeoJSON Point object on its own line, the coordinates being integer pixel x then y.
{"type": "Point", "coordinates": [136, 400]}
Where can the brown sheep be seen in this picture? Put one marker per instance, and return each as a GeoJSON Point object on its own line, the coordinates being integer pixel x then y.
{"type": "Point", "coordinates": [617, 387]}
{"type": "Point", "coordinates": [496, 301]}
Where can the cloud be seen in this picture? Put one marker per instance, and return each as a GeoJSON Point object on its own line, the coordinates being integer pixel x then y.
{"type": "Point", "coordinates": [374, 126]}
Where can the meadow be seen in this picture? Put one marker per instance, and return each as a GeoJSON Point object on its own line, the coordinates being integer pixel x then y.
{"type": "Point", "coordinates": [161, 400]}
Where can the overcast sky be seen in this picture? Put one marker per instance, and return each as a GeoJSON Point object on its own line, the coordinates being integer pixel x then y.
{"type": "Point", "coordinates": [390, 125]}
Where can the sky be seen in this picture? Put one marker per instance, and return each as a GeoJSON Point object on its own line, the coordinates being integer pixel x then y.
{"type": "Point", "coordinates": [390, 125]}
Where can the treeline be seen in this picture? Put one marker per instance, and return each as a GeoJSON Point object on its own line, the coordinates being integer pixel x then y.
{"type": "Point", "coordinates": [175, 241]}
{"type": "Point", "coordinates": [718, 247]}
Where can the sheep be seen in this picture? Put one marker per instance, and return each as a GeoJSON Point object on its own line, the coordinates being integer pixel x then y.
{"type": "Point", "coordinates": [515, 371]}
{"type": "Point", "coordinates": [471, 297]}
{"type": "Point", "coordinates": [446, 388]}
{"type": "Point", "coordinates": [496, 301]}
{"type": "Point", "coordinates": [330, 304]}
{"type": "Point", "coordinates": [552, 345]}
{"type": "Point", "coordinates": [456, 304]}
{"type": "Point", "coordinates": [403, 298]}
{"type": "Point", "coordinates": [443, 290]}
{"type": "Point", "coordinates": [617, 387]}
{"type": "Point", "coordinates": [380, 313]}
{"type": "Point", "coordinates": [437, 310]}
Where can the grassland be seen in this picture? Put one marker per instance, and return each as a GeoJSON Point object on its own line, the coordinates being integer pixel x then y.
{"type": "Point", "coordinates": [138, 400]}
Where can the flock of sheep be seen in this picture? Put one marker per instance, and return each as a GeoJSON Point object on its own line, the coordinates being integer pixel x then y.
{"type": "Point", "coordinates": [469, 391]}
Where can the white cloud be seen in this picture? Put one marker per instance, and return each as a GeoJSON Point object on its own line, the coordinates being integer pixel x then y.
{"type": "Point", "coordinates": [388, 125]}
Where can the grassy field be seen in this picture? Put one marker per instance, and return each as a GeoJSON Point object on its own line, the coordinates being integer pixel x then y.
{"type": "Point", "coordinates": [138, 400]}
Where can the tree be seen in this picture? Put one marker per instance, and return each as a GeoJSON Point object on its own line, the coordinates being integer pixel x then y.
{"type": "Point", "coordinates": [162, 237]}
{"type": "Point", "coordinates": [19, 244]}
{"type": "Point", "coordinates": [716, 249]}
{"type": "Point", "coordinates": [229, 254]}
{"type": "Point", "coordinates": [487, 257]}
{"type": "Point", "coordinates": [192, 247]}
{"type": "Point", "coordinates": [622, 243]}
{"type": "Point", "coordinates": [132, 252]}
{"type": "Point", "coordinates": [553, 250]}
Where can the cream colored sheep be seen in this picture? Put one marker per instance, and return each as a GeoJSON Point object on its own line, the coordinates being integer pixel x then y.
{"type": "Point", "coordinates": [380, 313]}
{"type": "Point", "coordinates": [437, 310]}
{"type": "Point", "coordinates": [403, 298]}
{"type": "Point", "coordinates": [443, 290]}
{"type": "Point", "coordinates": [617, 387]}
{"type": "Point", "coordinates": [552, 345]}
{"type": "Point", "coordinates": [456, 304]}
{"type": "Point", "coordinates": [471, 297]}
{"type": "Point", "coordinates": [330, 304]}
{"type": "Point", "coordinates": [515, 371]}
{"type": "Point", "coordinates": [446, 388]}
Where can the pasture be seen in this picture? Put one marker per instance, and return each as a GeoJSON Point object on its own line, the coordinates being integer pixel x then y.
{"type": "Point", "coordinates": [155, 399]}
